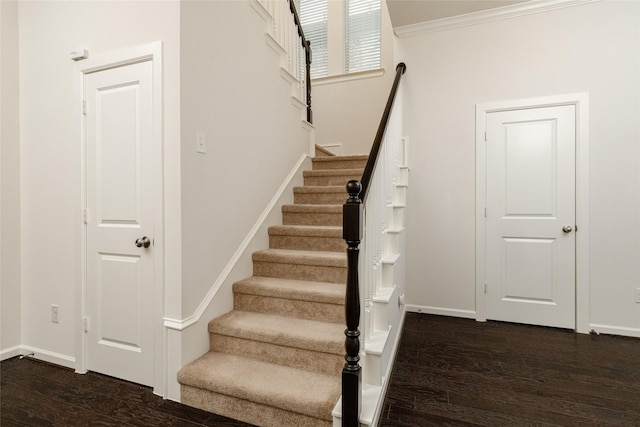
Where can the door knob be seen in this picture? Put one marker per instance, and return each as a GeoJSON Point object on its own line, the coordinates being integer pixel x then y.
{"type": "Point", "coordinates": [143, 242]}
{"type": "Point", "coordinates": [566, 229]}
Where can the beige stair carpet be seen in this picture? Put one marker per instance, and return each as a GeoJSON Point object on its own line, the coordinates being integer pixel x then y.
{"type": "Point", "coordinates": [275, 360]}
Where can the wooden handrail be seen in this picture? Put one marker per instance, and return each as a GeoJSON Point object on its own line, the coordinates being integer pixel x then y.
{"type": "Point", "coordinates": [352, 228]}
{"type": "Point", "coordinates": [377, 142]}
{"type": "Point", "coordinates": [306, 45]}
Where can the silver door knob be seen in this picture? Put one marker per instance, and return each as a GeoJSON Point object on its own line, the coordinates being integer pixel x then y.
{"type": "Point", "coordinates": [566, 229]}
{"type": "Point", "coordinates": [143, 242]}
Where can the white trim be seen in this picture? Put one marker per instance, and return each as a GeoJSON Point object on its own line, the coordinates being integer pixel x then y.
{"type": "Point", "coordinates": [49, 356]}
{"type": "Point", "coordinates": [147, 52]}
{"type": "Point", "coordinates": [484, 16]}
{"type": "Point", "coordinates": [39, 354]}
{"type": "Point", "coordinates": [392, 361]}
{"type": "Point", "coordinates": [347, 77]}
{"type": "Point", "coordinates": [372, 395]}
{"type": "Point", "coordinates": [615, 330]}
{"type": "Point", "coordinates": [262, 11]}
{"type": "Point", "coordinates": [441, 311]}
{"type": "Point", "coordinates": [335, 148]}
{"type": "Point", "coordinates": [581, 103]}
{"type": "Point", "coordinates": [10, 352]}
{"type": "Point", "coordinates": [180, 325]}
{"type": "Point", "coordinates": [274, 44]}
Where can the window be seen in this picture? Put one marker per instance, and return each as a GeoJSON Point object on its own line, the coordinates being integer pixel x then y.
{"type": "Point", "coordinates": [313, 17]}
{"type": "Point", "coordinates": [344, 35]}
{"type": "Point", "coordinates": [362, 35]}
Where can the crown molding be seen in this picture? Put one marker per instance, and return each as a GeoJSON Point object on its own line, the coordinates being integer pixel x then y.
{"type": "Point", "coordinates": [484, 16]}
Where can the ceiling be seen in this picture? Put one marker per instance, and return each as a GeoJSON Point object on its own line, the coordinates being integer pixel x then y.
{"type": "Point", "coordinates": [407, 12]}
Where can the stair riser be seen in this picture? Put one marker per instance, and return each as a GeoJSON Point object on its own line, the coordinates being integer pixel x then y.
{"type": "Point", "coordinates": [303, 218]}
{"type": "Point", "coordinates": [243, 410]}
{"type": "Point", "coordinates": [320, 198]}
{"type": "Point", "coordinates": [308, 243]}
{"type": "Point", "coordinates": [339, 164]}
{"type": "Point", "coordinates": [322, 312]}
{"type": "Point", "coordinates": [324, 363]}
{"type": "Point", "coordinates": [330, 180]}
{"type": "Point", "coordinates": [316, 273]}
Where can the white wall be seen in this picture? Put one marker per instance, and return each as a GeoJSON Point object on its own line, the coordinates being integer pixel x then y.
{"type": "Point", "coordinates": [233, 92]}
{"type": "Point", "coordinates": [348, 112]}
{"type": "Point", "coordinates": [10, 300]}
{"type": "Point", "coordinates": [592, 48]}
{"type": "Point", "coordinates": [51, 149]}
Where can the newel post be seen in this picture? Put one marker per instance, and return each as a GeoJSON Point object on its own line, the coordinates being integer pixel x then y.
{"type": "Point", "coordinates": [352, 371]}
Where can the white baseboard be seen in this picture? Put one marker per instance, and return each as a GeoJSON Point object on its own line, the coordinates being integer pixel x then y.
{"type": "Point", "coordinates": [10, 352]}
{"type": "Point", "coordinates": [615, 330]}
{"type": "Point", "coordinates": [441, 311]}
{"type": "Point", "coordinates": [39, 354]}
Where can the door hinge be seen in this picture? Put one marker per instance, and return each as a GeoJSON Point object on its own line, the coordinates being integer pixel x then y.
{"type": "Point", "coordinates": [486, 136]}
{"type": "Point", "coordinates": [485, 288]}
{"type": "Point", "coordinates": [84, 216]}
{"type": "Point", "coordinates": [85, 324]}
{"type": "Point", "coordinates": [485, 212]}
{"type": "Point", "coordinates": [84, 107]}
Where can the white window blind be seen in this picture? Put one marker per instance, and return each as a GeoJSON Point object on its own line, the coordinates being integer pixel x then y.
{"type": "Point", "coordinates": [313, 17]}
{"type": "Point", "coordinates": [362, 44]}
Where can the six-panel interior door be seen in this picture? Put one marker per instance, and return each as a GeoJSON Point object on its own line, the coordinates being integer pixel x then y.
{"type": "Point", "coordinates": [530, 220]}
{"type": "Point", "coordinates": [119, 149]}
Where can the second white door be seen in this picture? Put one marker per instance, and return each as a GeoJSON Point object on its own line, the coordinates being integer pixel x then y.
{"type": "Point", "coordinates": [120, 222]}
{"type": "Point", "coordinates": [530, 218]}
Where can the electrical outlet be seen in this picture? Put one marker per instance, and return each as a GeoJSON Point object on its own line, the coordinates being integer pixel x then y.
{"type": "Point", "coordinates": [54, 313]}
{"type": "Point", "coordinates": [638, 295]}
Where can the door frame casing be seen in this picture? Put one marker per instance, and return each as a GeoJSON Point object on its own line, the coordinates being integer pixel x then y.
{"type": "Point", "coordinates": [581, 103]}
{"type": "Point", "coordinates": [147, 52]}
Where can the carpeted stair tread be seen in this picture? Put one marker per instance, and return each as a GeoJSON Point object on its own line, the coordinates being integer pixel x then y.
{"type": "Point", "coordinates": [320, 194]}
{"type": "Point", "coordinates": [292, 256]}
{"type": "Point", "coordinates": [312, 214]}
{"type": "Point", "coordinates": [306, 230]}
{"type": "Point", "coordinates": [307, 237]}
{"type": "Point", "coordinates": [284, 331]}
{"type": "Point", "coordinates": [291, 389]}
{"type": "Point", "coordinates": [298, 290]}
{"type": "Point", "coordinates": [340, 162]}
{"type": "Point", "coordinates": [313, 209]}
{"type": "Point", "coordinates": [312, 189]}
{"type": "Point", "coordinates": [332, 172]}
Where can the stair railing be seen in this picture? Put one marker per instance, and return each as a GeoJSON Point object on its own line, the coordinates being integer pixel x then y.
{"type": "Point", "coordinates": [287, 31]}
{"type": "Point", "coordinates": [363, 216]}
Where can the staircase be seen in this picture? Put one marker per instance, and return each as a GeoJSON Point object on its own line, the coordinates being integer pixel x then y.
{"type": "Point", "coordinates": [276, 359]}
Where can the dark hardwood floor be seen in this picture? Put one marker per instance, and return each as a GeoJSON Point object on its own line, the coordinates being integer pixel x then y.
{"type": "Point", "coordinates": [448, 372]}
{"type": "Point", "coordinates": [458, 372]}
{"type": "Point", "coordinates": [34, 393]}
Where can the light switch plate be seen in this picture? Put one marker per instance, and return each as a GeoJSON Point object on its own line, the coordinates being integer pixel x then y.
{"type": "Point", "coordinates": [201, 143]}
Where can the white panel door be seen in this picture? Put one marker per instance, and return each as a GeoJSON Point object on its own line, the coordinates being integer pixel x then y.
{"type": "Point", "coordinates": [531, 216]}
{"type": "Point", "coordinates": [119, 149]}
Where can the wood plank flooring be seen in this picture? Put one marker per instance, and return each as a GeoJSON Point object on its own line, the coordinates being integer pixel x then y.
{"type": "Point", "coordinates": [448, 372]}
{"type": "Point", "coordinates": [34, 393]}
{"type": "Point", "coordinates": [459, 372]}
